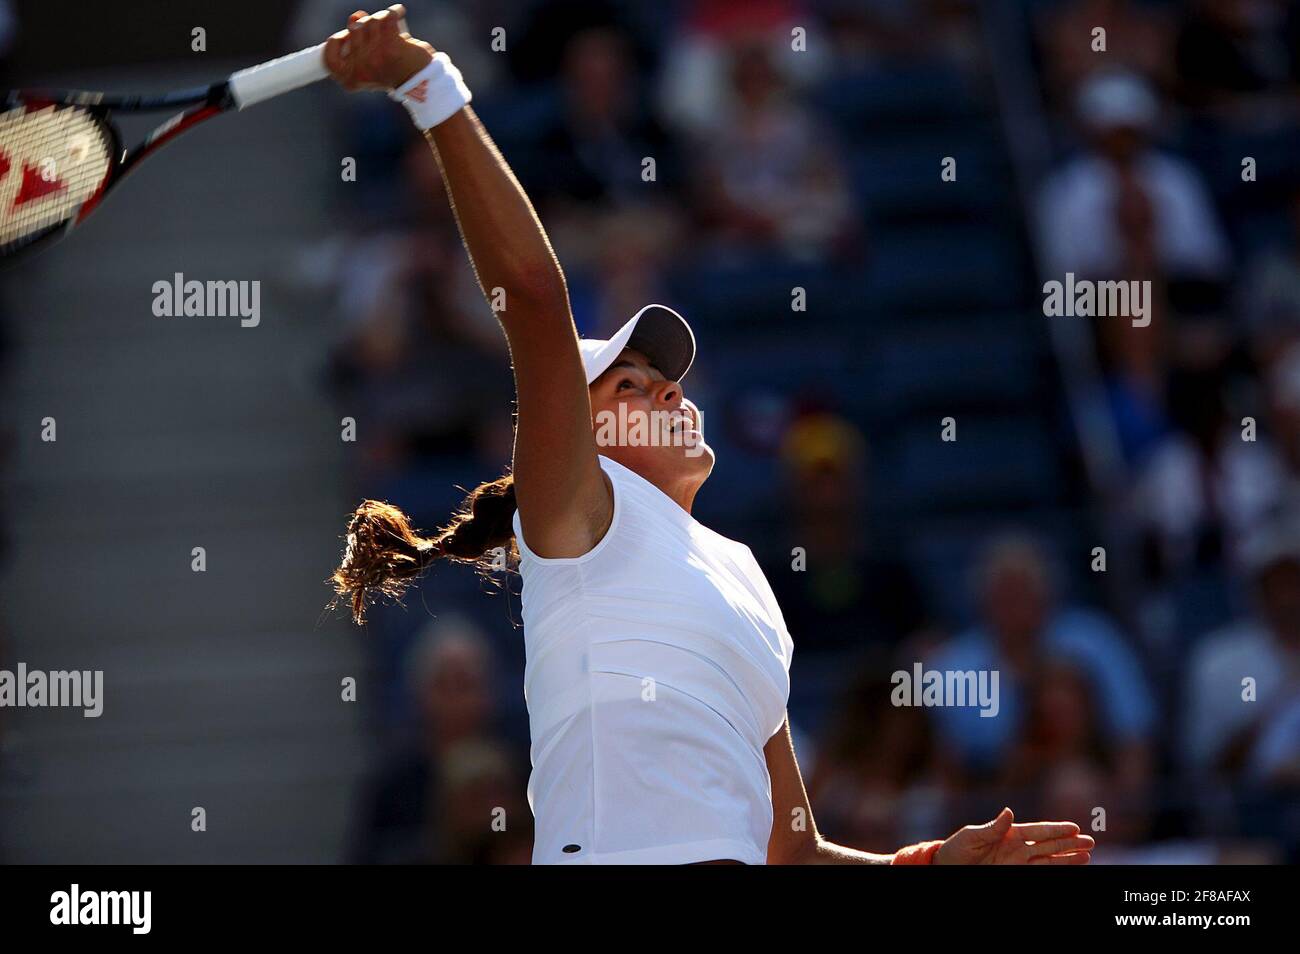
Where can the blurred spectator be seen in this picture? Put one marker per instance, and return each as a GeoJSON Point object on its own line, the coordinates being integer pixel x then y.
{"type": "Point", "coordinates": [1275, 757]}
{"type": "Point", "coordinates": [485, 819]}
{"type": "Point", "coordinates": [1061, 726]}
{"type": "Point", "coordinates": [612, 228]}
{"type": "Point", "coordinates": [1203, 488]}
{"type": "Point", "coordinates": [1074, 791]}
{"type": "Point", "coordinates": [1023, 631]}
{"type": "Point", "coordinates": [1237, 61]}
{"type": "Point", "coordinates": [432, 801]}
{"type": "Point", "coordinates": [539, 43]}
{"type": "Point", "coordinates": [1284, 403]}
{"type": "Point", "coordinates": [623, 257]}
{"type": "Point", "coordinates": [1134, 362]}
{"type": "Point", "coordinates": [1071, 789]}
{"type": "Point", "coordinates": [882, 33]}
{"type": "Point", "coordinates": [1221, 727]}
{"type": "Point", "coordinates": [771, 178]}
{"type": "Point", "coordinates": [1088, 207]}
{"type": "Point", "coordinates": [877, 780]}
{"type": "Point", "coordinates": [1065, 750]}
{"type": "Point", "coordinates": [1139, 39]}
{"type": "Point", "coordinates": [593, 151]}
{"type": "Point", "coordinates": [695, 87]}
{"type": "Point", "coordinates": [853, 592]}
{"type": "Point", "coordinates": [1270, 294]}
{"type": "Point", "coordinates": [423, 364]}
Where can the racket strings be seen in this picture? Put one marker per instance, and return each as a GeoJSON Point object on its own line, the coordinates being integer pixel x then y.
{"type": "Point", "coordinates": [52, 159]}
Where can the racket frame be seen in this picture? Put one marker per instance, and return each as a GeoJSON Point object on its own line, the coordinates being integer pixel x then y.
{"type": "Point", "coordinates": [204, 102]}
{"type": "Point", "coordinates": [239, 90]}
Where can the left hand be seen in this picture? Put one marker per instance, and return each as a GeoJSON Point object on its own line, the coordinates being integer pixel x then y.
{"type": "Point", "coordinates": [1001, 842]}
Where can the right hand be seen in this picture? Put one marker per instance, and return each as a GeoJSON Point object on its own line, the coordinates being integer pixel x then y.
{"type": "Point", "coordinates": [374, 52]}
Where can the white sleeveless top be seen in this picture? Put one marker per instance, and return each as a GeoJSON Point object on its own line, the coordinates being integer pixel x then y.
{"type": "Point", "coordinates": [658, 668]}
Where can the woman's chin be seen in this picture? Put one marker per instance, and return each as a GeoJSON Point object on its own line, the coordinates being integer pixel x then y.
{"type": "Point", "coordinates": [698, 454]}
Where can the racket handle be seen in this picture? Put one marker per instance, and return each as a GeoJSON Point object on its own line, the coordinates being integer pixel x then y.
{"type": "Point", "coordinates": [278, 76]}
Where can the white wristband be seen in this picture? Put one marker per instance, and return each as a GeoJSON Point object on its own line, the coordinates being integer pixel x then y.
{"type": "Point", "coordinates": [434, 94]}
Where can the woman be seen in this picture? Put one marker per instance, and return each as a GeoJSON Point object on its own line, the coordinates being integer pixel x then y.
{"type": "Point", "coordinates": [657, 671]}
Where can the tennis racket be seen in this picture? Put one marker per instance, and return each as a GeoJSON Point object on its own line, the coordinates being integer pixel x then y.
{"type": "Point", "coordinates": [60, 152]}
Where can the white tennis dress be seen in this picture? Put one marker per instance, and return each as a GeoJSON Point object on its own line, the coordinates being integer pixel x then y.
{"type": "Point", "coordinates": [658, 668]}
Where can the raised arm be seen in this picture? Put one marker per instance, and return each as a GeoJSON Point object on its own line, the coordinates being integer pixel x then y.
{"type": "Point", "coordinates": [565, 504]}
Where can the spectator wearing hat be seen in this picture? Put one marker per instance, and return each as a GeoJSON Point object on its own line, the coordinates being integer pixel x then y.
{"type": "Point", "coordinates": [1081, 221]}
{"type": "Point", "coordinates": [853, 593]}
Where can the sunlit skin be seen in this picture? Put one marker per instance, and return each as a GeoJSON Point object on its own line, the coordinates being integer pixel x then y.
{"type": "Point", "coordinates": [677, 467]}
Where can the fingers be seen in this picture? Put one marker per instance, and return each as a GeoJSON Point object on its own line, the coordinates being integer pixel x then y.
{"type": "Point", "coordinates": [1060, 846]}
{"type": "Point", "coordinates": [357, 46]}
{"type": "Point", "coordinates": [385, 19]}
{"type": "Point", "coordinates": [336, 60]}
{"type": "Point", "coordinates": [1042, 831]}
{"type": "Point", "coordinates": [369, 30]}
{"type": "Point", "coordinates": [391, 20]}
{"type": "Point", "coordinates": [339, 50]}
{"type": "Point", "coordinates": [1074, 858]}
{"type": "Point", "coordinates": [373, 52]}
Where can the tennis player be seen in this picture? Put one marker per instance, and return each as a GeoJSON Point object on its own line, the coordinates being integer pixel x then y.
{"type": "Point", "coordinates": [658, 661]}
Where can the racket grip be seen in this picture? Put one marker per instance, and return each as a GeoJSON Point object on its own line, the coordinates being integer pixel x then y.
{"type": "Point", "coordinates": [274, 77]}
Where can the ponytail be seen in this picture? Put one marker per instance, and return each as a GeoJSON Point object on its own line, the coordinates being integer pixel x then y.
{"type": "Point", "coordinates": [384, 554]}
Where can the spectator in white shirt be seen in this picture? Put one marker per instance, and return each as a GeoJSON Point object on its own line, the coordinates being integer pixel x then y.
{"type": "Point", "coordinates": [1079, 227]}
{"type": "Point", "coordinates": [1222, 721]}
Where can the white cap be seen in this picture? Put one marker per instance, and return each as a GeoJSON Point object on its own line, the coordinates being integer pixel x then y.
{"type": "Point", "coordinates": [657, 331]}
{"type": "Point", "coordinates": [1110, 99]}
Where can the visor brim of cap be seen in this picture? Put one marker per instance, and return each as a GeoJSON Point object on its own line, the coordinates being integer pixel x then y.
{"type": "Point", "coordinates": [659, 333]}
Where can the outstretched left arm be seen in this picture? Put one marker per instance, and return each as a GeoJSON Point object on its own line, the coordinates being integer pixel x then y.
{"type": "Point", "coordinates": [796, 841]}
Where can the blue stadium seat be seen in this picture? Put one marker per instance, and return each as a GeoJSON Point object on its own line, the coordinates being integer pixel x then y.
{"type": "Point", "coordinates": [897, 179]}
{"type": "Point", "coordinates": [754, 292]}
{"type": "Point", "coordinates": [971, 266]}
{"type": "Point", "coordinates": [916, 368]}
{"type": "Point", "coordinates": [1001, 462]}
{"type": "Point", "coordinates": [899, 95]}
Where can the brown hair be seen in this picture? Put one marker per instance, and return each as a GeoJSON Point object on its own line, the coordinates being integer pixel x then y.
{"type": "Point", "coordinates": [384, 554]}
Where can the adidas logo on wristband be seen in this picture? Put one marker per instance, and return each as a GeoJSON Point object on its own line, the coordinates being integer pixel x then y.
{"type": "Point", "coordinates": [434, 94]}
